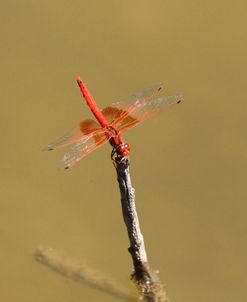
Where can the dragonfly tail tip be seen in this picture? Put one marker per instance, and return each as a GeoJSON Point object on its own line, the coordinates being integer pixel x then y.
{"type": "Point", "coordinates": [78, 80]}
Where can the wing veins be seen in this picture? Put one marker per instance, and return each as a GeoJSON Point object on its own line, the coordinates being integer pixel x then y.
{"type": "Point", "coordinates": [84, 147]}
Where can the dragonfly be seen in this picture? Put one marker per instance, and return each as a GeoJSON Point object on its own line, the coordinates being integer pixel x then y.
{"type": "Point", "coordinates": [89, 135]}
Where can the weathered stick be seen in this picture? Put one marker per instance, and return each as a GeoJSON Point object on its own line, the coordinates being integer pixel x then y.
{"type": "Point", "coordinates": [147, 281]}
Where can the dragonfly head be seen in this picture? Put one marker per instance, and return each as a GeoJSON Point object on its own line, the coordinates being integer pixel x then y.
{"type": "Point", "coordinates": [122, 150]}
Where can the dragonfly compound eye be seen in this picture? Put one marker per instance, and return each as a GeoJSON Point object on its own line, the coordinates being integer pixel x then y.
{"type": "Point", "coordinates": [123, 149]}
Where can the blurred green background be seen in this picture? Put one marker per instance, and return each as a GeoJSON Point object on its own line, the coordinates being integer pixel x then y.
{"type": "Point", "coordinates": [188, 164]}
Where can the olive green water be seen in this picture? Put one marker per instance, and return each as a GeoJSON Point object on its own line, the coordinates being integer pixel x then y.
{"type": "Point", "coordinates": [188, 164]}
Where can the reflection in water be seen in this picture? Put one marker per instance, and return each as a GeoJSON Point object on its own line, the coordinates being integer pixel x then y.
{"type": "Point", "coordinates": [81, 273]}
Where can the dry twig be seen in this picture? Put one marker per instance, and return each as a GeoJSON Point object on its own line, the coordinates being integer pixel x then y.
{"type": "Point", "coordinates": [146, 280]}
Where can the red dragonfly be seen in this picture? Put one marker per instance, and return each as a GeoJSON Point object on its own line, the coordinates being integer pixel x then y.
{"type": "Point", "coordinates": [89, 135]}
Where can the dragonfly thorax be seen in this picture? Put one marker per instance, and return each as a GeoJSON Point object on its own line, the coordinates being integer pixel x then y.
{"type": "Point", "coordinates": [113, 136]}
{"type": "Point", "coordinates": [120, 149]}
{"type": "Point", "coordinates": [112, 132]}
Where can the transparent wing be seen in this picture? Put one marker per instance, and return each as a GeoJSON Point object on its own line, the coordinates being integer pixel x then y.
{"type": "Point", "coordinates": [143, 110]}
{"type": "Point", "coordinates": [125, 106]}
{"type": "Point", "coordinates": [83, 147]}
{"type": "Point", "coordinates": [74, 135]}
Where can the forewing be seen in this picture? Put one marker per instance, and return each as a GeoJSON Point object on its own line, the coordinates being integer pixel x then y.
{"type": "Point", "coordinates": [145, 109]}
{"type": "Point", "coordinates": [125, 106]}
{"type": "Point", "coordinates": [83, 147]}
{"type": "Point", "coordinates": [74, 135]}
